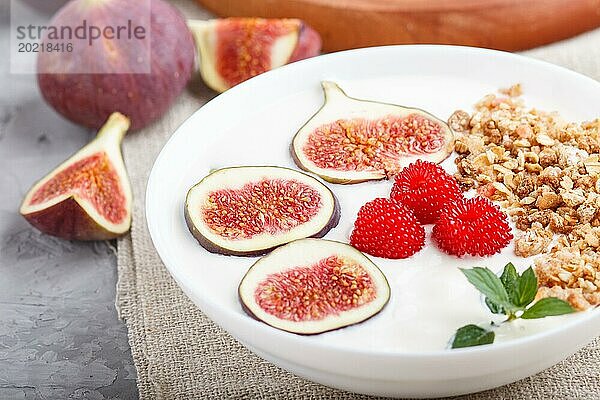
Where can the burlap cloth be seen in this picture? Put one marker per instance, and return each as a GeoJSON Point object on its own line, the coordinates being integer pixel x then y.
{"type": "Point", "coordinates": [180, 354]}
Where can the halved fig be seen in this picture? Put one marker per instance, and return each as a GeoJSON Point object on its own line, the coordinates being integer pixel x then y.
{"type": "Point", "coordinates": [233, 50]}
{"type": "Point", "coordinates": [87, 197]}
{"type": "Point", "coordinates": [312, 286]}
{"type": "Point", "coordinates": [350, 140]}
{"type": "Point", "coordinates": [247, 211]}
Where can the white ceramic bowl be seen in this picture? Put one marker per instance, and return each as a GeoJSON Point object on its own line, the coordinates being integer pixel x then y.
{"type": "Point", "coordinates": [253, 123]}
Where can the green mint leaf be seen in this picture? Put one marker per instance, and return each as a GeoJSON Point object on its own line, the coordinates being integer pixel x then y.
{"type": "Point", "coordinates": [509, 279]}
{"type": "Point", "coordinates": [472, 335]}
{"type": "Point", "coordinates": [547, 307]}
{"type": "Point", "coordinates": [494, 308]}
{"type": "Point", "coordinates": [527, 287]}
{"type": "Point", "coordinates": [489, 284]}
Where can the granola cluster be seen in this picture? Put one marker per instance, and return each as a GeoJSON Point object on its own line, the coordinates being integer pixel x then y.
{"type": "Point", "coordinates": [545, 173]}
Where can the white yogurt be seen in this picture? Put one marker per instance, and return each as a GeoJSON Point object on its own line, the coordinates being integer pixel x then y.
{"type": "Point", "coordinates": [431, 298]}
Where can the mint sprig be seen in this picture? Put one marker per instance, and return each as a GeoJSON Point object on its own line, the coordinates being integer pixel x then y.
{"type": "Point", "coordinates": [510, 295]}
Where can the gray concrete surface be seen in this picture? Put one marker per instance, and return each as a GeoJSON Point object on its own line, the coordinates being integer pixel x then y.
{"type": "Point", "coordinates": [60, 337]}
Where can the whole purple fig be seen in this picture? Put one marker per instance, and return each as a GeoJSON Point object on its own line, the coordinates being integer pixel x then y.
{"type": "Point", "coordinates": [133, 56]}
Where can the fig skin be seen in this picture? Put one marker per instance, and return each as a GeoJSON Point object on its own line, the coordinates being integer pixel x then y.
{"type": "Point", "coordinates": [249, 312]}
{"type": "Point", "coordinates": [68, 218]}
{"type": "Point", "coordinates": [214, 248]}
{"type": "Point", "coordinates": [87, 98]}
{"type": "Point", "coordinates": [309, 44]}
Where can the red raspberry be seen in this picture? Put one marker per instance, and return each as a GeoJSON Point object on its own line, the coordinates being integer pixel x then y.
{"type": "Point", "coordinates": [472, 226]}
{"type": "Point", "coordinates": [426, 188]}
{"type": "Point", "coordinates": [386, 228]}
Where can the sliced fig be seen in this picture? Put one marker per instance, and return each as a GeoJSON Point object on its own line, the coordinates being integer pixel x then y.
{"type": "Point", "coordinates": [351, 140]}
{"type": "Point", "coordinates": [312, 286]}
{"type": "Point", "coordinates": [87, 197]}
{"type": "Point", "coordinates": [233, 50]}
{"type": "Point", "coordinates": [247, 211]}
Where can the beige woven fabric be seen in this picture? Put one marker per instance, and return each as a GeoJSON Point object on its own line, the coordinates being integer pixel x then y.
{"type": "Point", "coordinates": [180, 354]}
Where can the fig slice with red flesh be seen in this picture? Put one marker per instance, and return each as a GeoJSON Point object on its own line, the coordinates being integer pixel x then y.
{"type": "Point", "coordinates": [351, 140]}
{"type": "Point", "coordinates": [233, 50]}
{"type": "Point", "coordinates": [247, 211]}
{"type": "Point", "coordinates": [87, 197]}
{"type": "Point", "coordinates": [311, 286]}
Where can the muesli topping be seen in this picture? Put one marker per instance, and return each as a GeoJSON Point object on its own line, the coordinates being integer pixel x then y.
{"type": "Point", "coordinates": [545, 174]}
